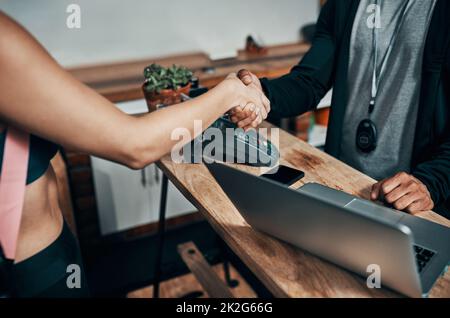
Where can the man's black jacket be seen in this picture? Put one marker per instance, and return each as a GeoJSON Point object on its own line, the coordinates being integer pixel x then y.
{"type": "Point", "coordinates": [325, 66]}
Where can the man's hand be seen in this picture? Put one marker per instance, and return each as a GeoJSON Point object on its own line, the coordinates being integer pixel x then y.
{"type": "Point", "coordinates": [404, 192]}
{"type": "Point", "coordinates": [249, 116]}
{"type": "Point", "coordinates": [249, 78]}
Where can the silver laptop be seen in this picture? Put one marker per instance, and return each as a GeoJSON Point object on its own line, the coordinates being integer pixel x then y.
{"type": "Point", "coordinates": [411, 253]}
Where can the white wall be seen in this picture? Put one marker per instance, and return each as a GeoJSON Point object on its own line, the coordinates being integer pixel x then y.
{"type": "Point", "coordinates": [115, 30]}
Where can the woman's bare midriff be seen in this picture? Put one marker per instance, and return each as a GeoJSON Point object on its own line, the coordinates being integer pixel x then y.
{"type": "Point", "coordinates": [41, 220]}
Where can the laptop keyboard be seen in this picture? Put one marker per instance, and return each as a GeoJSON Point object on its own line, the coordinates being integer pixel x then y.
{"type": "Point", "coordinates": [423, 256]}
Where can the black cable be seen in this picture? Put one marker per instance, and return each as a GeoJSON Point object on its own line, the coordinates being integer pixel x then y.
{"type": "Point", "coordinates": [160, 236]}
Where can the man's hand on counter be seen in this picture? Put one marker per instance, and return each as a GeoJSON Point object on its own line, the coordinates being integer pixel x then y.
{"type": "Point", "coordinates": [404, 192]}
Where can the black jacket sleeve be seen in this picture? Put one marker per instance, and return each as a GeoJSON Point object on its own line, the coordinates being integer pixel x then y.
{"type": "Point", "coordinates": [435, 173]}
{"type": "Point", "coordinates": [307, 83]}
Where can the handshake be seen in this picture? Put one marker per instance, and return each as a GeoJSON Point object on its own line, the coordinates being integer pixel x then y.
{"type": "Point", "coordinates": [253, 105]}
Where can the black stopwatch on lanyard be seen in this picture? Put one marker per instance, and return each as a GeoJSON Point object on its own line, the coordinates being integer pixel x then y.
{"type": "Point", "coordinates": [366, 134]}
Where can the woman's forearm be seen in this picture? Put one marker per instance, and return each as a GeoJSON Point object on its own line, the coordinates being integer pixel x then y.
{"type": "Point", "coordinates": [42, 98]}
{"type": "Point", "coordinates": [149, 136]}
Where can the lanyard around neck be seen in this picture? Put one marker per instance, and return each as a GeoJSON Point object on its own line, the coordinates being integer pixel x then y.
{"type": "Point", "coordinates": [376, 76]}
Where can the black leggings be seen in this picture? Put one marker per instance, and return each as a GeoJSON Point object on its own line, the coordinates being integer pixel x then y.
{"type": "Point", "coordinates": [52, 271]}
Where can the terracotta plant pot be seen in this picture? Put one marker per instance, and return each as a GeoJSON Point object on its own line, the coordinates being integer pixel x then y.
{"type": "Point", "coordinates": [165, 97]}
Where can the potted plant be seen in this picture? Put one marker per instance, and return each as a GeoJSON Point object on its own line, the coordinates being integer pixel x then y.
{"type": "Point", "coordinates": [164, 86]}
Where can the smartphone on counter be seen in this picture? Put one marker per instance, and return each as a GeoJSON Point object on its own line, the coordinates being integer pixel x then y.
{"type": "Point", "coordinates": [285, 175]}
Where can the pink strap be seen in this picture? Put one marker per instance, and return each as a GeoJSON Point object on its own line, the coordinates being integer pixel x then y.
{"type": "Point", "coordinates": [12, 188]}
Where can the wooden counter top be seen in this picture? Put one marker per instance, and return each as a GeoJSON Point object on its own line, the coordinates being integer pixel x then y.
{"type": "Point", "coordinates": [285, 270]}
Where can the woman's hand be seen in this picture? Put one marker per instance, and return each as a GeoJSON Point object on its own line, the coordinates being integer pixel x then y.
{"type": "Point", "coordinates": [249, 103]}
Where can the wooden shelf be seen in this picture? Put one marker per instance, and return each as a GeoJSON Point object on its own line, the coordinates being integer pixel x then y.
{"type": "Point", "coordinates": [122, 81]}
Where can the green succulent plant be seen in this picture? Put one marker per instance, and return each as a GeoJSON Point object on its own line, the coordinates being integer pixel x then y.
{"type": "Point", "coordinates": [158, 78]}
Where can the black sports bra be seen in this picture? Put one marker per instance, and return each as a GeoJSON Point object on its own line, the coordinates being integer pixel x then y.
{"type": "Point", "coordinates": [41, 152]}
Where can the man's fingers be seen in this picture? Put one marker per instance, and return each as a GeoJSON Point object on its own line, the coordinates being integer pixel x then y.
{"type": "Point", "coordinates": [400, 191]}
{"type": "Point", "coordinates": [407, 200]}
{"type": "Point", "coordinates": [235, 110]}
{"type": "Point", "coordinates": [245, 76]}
{"type": "Point", "coordinates": [425, 204]}
{"type": "Point", "coordinates": [392, 183]}
{"type": "Point", "coordinates": [246, 122]}
{"type": "Point", "coordinates": [375, 193]}
{"type": "Point", "coordinates": [417, 206]}
{"type": "Point", "coordinates": [250, 115]}
{"type": "Point", "coordinates": [237, 118]}
{"type": "Point", "coordinates": [239, 115]}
